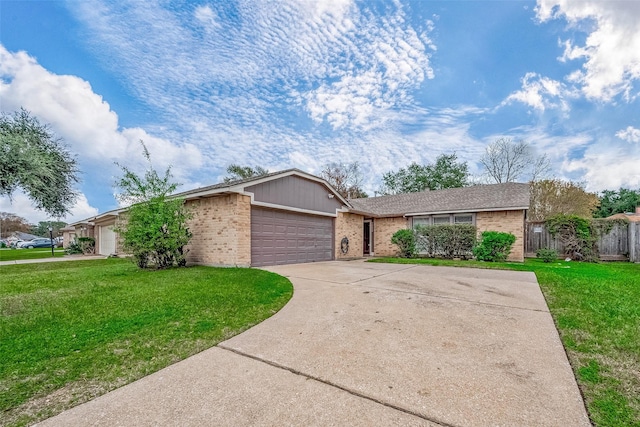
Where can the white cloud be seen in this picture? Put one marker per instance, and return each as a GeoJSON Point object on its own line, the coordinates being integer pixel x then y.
{"type": "Point", "coordinates": [608, 166]}
{"type": "Point", "coordinates": [630, 134]}
{"type": "Point", "coordinates": [207, 17]}
{"type": "Point", "coordinates": [540, 93]}
{"type": "Point", "coordinates": [22, 206]}
{"type": "Point", "coordinates": [611, 52]}
{"type": "Point", "coordinates": [83, 118]}
{"type": "Point", "coordinates": [342, 63]}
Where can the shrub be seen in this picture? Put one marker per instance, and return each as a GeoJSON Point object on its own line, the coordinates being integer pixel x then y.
{"type": "Point", "coordinates": [448, 241]}
{"type": "Point", "coordinates": [494, 246]}
{"type": "Point", "coordinates": [406, 242]}
{"type": "Point", "coordinates": [81, 245]}
{"type": "Point", "coordinates": [547, 255]}
{"type": "Point", "coordinates": [155, 231]}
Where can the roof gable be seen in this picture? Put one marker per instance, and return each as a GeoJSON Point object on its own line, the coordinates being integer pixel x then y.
{"type": "Point", "coordinates": [241, 186]}
{"type": "Point", "coordinates": [297, 192]}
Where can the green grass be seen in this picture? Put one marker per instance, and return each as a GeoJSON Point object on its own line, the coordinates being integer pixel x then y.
{"type": "Point", "coordinates": [70, 331]}
{"type": "Point", "coordinates": [7, 254]}
{"type": "Point", "coordinates": [596, 308]}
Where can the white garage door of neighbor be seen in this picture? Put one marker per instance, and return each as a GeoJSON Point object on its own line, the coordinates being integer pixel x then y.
{"type": "Point", "coordinates": [107, 240]}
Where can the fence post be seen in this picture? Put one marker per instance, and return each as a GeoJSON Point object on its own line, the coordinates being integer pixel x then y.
{"type": "Point", "coordinates": [634, 242]}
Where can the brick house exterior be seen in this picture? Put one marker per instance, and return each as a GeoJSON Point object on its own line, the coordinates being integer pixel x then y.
{"type": "Point", "coordinates": [491, 207]}
{"type": "Point", "coordinates": [291, 216]}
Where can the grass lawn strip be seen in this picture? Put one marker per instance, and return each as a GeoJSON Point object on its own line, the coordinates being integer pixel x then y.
{"type": "Point", "coordinates": [72, 331]}
{"type": "Point", "coordinates": [7, 254]}
{"type": "Point", "coordinates": [596, 308]}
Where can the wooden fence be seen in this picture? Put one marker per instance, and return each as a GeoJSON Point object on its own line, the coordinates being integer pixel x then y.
{"type": "Point", "coordinates": [620, 244]}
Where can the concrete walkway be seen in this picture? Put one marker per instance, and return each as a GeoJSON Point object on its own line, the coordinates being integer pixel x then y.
{"type": "Point", "coordinates": [53, 259]}
{"type": "Point", "coordinates": [365, 344]}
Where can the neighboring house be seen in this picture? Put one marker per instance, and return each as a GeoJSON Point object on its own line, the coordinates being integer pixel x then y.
{"type": "Point", "coordinates": [631, 216]}
{"type": "Point", "coordinates": [18, 236]}
{"type": "Point", "coordinates": [292, 217]}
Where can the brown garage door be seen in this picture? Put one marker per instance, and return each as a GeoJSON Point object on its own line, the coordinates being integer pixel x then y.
{"type": "Point", "coordinates": [282, 237]}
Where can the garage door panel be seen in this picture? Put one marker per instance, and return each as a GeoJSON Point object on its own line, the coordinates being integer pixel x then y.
{"type": "Point", "coordinates": [281, 237]}
{"type": "Point", "coordinates": [107, 243]}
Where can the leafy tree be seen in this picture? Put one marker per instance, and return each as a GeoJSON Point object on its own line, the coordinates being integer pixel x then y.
{"type": "Point", "coordinates": [446, 172]}
{"type": "Point", "coordinates": [551, 197]}
{"type": "Point", "coordinates": [42, 229]}
{"type": "Point", "coordinates": [506, 160]}
{"type": "Point", "coordinates": [155, 229]}
{"type": "Point", "coordinates": [345, 178]}
{"type": "Point", "coordinates": [237, 172]}
{"type": "Point", "coordinates": [613, 202]}
{"type": "Point", "coordinates": [34, 160]}
{"type": "Point", "coordinates": [10, 223]}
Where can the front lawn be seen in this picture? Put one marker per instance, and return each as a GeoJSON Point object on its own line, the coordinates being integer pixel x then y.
{"type": "Point", "coordinates": [70, 331]}
{"type": "Point", "coordinates": [596, 308]}
{"type": "Point", "coordinates": [7, 254]}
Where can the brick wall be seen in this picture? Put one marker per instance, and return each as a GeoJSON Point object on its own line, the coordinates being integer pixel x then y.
{"type": "Point", "coordinates": [221, 228]}
{"type": "Point", "coordinates": [508, 222]}
{"type": "Point", "coordinates": [383, 229]}
{"type": "Point", "coordinates": [350, 226]}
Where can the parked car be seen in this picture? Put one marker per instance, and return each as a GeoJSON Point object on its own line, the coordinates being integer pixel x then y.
{"type": "Point", "coordinates": [15, 243]}
{"type": "Point", "coordinates": [35, 243]}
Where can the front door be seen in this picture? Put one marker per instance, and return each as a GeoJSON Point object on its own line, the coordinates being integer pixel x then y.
{"type": "Point", "coordinates": [367, 238]}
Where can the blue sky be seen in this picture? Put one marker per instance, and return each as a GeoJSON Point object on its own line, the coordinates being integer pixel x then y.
{"type": "Point", "coordinates": [284, 84]}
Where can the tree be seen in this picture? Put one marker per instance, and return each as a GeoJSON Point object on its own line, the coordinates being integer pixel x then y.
{"type": "Point", "coordinates": [42, 229]}
{"type": "Point", "coordinates": [613, 202]}
{"type": "Point", "coordinates": [155, 229]}
{"type": "Point", "coordinates": [10, 223]}
{"type": "Point", "coordinates": [507, 161]}
{"type": "Point", "coordinates": [552, 197]}
{"type": "Point", "coordinates": [446, 172]}
{"type": "Point", "coordinates": [34, 160]}
{"type": "Point", "coordinates": [237, 172]}
{"type": "Point", "coordinates": [345, 178]}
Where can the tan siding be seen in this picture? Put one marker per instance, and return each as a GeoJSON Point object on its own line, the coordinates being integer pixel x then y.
{"type": "Point", "coordinates": [383, 229]}
{"type": "Point", "coordinates": [508, 222]}
{"type": "Point", "coordinates": [350, 226]}
{"type": "Point", "coordinates": [221, 228]}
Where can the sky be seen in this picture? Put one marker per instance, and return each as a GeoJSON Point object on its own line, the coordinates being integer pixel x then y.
{"type": "Point", "coordinates": [300, 83]}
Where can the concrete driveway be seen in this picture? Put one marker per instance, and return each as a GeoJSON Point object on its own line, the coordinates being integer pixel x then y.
{"type": "Point", "coordinates": [363, 344]}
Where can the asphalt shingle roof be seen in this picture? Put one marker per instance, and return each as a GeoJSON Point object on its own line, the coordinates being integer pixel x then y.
{"type": "Point", "coordinates": [475, 198]}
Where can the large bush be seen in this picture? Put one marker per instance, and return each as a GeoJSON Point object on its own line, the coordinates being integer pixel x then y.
{"type": "Point", "coordinates": [406, 242]}
{"type": "Point", "coordinates": [82, 245]}
{"type": "Point", "coordinates": [447, 241]}
{"type": "Point", "coordinates": [155, 230]}
{"type": "Point", "coordinates": [547, 255]}
{"type": "Point", "coordinates": [494, 246]}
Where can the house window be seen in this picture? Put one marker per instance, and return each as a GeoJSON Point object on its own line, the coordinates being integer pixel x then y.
{"type": "Point", "coordinates": [463, 219]}
{"type": "Point", "coordinates": [441, 220]}
{"type": "Point", "coordinates": [467, 218]}
{"type": "Point", "coordinates": [421, 220]}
